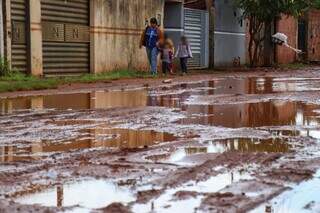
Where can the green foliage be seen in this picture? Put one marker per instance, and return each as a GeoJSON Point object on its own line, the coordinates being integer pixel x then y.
{"type": "Point", "coordinates": [316, 4]}
{"type": "Point", "coordinates": [118, 74]}
{"type": "Point", "coordinates": [293, 66]}
{"type": "Point", "coordinates": [4, 67]}
{"type": "Point", "coordinates": [268, 10]}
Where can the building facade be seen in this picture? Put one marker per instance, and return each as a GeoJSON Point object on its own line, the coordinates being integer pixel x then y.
{"type": "Point", "coordinates": [229, 36]}
{"type": "Point", "coordinates": [229, 32]}
{"type": "Point", "coordinates": [53, 37]}
{"type": "Point", "coordinates": [49, 37]}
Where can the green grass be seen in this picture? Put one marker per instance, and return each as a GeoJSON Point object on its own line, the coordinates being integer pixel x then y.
{"type": "Point", "coordinates": [293, 66]}
{"type": "Point", "coordinates": [16, 81]}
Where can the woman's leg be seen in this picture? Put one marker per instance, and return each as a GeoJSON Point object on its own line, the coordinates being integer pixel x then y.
{"type": "Point", "coordinates": [149, 57]}
{"type": "Point", "coordinates": [154, 60]}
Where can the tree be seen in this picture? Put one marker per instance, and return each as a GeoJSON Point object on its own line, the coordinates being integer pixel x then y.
{"type": "Point", "coordinates": [261, 14]}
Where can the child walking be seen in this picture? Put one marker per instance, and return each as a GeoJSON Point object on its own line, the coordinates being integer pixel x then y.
{"type": "Point", "coordinates": [184, 53]}
{"type": "Point", "coordinates": [167, 54]}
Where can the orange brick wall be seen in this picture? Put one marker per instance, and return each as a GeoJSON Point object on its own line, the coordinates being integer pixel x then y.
{"type": "Point", "coordinates": [283, 55]}
{"type": "Point", "coordinates": [314, 35]}
{"type": "Point", "coordinates": [289, 26]}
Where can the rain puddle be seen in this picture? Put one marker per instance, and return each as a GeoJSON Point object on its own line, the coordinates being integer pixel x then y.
{"type": "Point", "coordinates": [169, 96]}
{"type": "Point", "coordinates": [271, 145]}
{"type": "Point", "coordinates": [263, 114]}
{"type": "Point", "coordinates": [77, 101]}
{"type": "Point", "coordinates": [272, 113]}
{"type": "Point", "coordinates": [91, 194]}
{"type": "Point", "coordinates": [97, 138]}
{"type": "Point", "coordinates": [304, 197]}
{"type": "Point", "coordinates": [131, 139]}
{"type": "Point", "coordinates": [85, 195]}
{"type": "Point", "coordinates": [187, 198]}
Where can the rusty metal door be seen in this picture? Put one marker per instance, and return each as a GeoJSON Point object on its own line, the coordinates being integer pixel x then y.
{"type": "Point", "coordinates": [66, 36]}
{"type": "Point", "coordinates": [19, 56]}
{"type": "Point", "coordinates": [302, 35]}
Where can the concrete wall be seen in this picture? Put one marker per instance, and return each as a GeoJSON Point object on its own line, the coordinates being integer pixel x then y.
{"type": "Point", "coordinates": [289, 26]}
{"type": "Point", "coordinates": [7, 30]}
{"type": "Point", "coordinates": [230, 37]}
{"type": "Point", "coordinates": [116, 27]}
{"type": "Point", "coordinates": [36, 60]}
{"type": "Point", "coordinates": [173, 21]}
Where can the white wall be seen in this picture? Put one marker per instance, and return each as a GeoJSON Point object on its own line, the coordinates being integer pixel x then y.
{"type": "Point", "coordinates": [230, 34]}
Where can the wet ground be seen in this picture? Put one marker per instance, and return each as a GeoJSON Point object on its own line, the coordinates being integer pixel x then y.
{"type": "Point", "coordinates": [210, 143]}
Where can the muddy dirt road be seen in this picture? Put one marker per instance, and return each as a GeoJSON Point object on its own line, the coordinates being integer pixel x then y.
{"type": "Point", "coordinates": [232, 142]}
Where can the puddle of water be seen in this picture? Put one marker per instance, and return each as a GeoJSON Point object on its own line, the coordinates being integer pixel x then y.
{"type": "Point", "coordinates": [77, 101]}
{"type": "Point", "coordinates": [94, 194]}
{"type": "Point", "coordinates": [216, 183]}
{"type": "Point", "coordinates": [167, 203]}
{"type": "Point", "coordinates": [171, 96]}
{"type": "Point", "coordinates": [273, 113]}
{"type": "Point", "coordinates": [89, 194]}
{"type": "Point", "coordinates": [127, 138]}
{"type": "Point", "coordinates": [302, 198]}
{"type": "Point", "coordinates": [271, 145]}
{"type": "Point", "coordinates": [311, 133]}
{"type": "Point", "coordinates": [97, 138]}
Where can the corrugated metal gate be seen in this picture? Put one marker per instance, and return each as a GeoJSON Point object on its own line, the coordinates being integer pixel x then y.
{"type": "Point", "coordinates": [196, 29]}
{"type": "Point", "coordinates": [19, 54]}
{"type": "Point", "coordinates": [66, 36]}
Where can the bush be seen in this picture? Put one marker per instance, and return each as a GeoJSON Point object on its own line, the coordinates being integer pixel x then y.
{"type": "Point", "coordinates": [4, 67]}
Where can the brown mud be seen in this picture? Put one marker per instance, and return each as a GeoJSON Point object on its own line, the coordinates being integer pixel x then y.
{"type": "Point", "coordinates": [227, 142]}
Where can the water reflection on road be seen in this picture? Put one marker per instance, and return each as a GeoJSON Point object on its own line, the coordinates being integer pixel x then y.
{"type": "Point", "coordinates": [86, 194]}
{"type": "Point", "coordinates": [96, 138]}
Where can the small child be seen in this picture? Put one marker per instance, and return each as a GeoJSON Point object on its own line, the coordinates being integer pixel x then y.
{"type": "Point", "coordinates": [184, 53]}
{"type": "Point", "coordinates": [167, 57]}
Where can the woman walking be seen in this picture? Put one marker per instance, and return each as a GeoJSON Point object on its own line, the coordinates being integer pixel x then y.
{"type": "Point", "coordinates": [151, 39]}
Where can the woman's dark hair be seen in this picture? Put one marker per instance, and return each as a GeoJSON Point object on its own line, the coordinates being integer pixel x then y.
{"type": "Point", "coordinates": [153, 21]}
